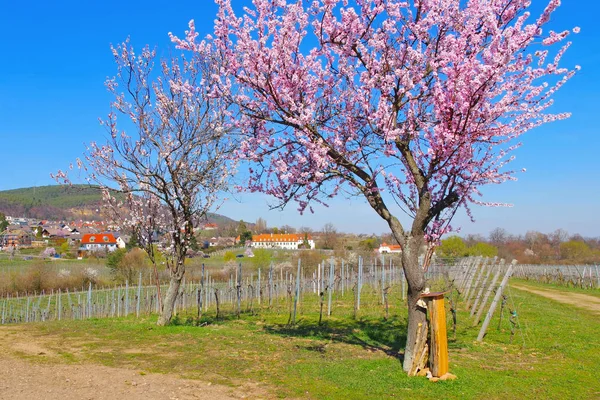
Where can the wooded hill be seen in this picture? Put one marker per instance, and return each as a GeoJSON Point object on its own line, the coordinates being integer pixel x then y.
{"type": "Point", "coordinates": [63, 202]}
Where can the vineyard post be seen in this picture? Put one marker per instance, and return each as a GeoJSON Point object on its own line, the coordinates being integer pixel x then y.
{"type": "Point", "coordinates": [27, 311]}
{"type": "Point", "coordinates": [359, 282]}
{"type": "Point", "coordinates": [126, 297]}
{"type": "Point", "coordinates": [239, 289]}
{"type": "Point", "coordinates": [482, 287]}
{"type": "Point", "coordinates": [330, 285]}
{"type": "Point", "coordinates": [343, 277]}
{"type": "Point", "coordinates": [488, 293]}
{"type": "Point", "coordinates": [474, 273]}
{"type": "Point", "coordinates": [259, 288]}
{"type": "Point", "coordinates": [490, 312]}
{"type": "Point", "coordinates": [271, 284]}
{"type": "Point", "coordinates": [482, 273]}
{"type": "Point", "coordinates": [139, 296]}
{"type": "Point", "coordinates": [297, 292]}
{"type": "Point", "coordinates": [201, 293]}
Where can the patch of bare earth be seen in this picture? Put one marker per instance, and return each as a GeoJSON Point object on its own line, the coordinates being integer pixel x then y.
{"type": "Point", "coordinates": [31, 370]}
{"type": "Point", "coordinates": [580, 300]}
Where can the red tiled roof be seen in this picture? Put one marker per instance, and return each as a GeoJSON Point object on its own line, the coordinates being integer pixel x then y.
{"type": "Point", "coordinates": [98, 238]}
{"type": "Point", "coordinates": [392, 246]}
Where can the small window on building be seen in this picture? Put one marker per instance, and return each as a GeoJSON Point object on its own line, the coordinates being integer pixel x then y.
{"type": "Point", "coordinates": [105, 238]}
{"type": "Point", "coordinates": [92, 239]}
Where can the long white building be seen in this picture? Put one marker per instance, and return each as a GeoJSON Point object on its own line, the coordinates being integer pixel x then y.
{"type": "Point", "coordinates": [287, 241]}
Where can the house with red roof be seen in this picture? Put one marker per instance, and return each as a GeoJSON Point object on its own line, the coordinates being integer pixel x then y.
{"type": "Point", "coordinates": [98, 242]}
{"type": "Point", "coordinates": [389, 248]}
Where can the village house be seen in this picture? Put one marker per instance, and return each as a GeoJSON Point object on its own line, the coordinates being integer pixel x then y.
{"type": "Point", "coordinates": [48, 233]}
{"type": "Point", "coordinates": [288, 241]}
{"type": "Point", "coordinates": [389, 248]}
{"type": "Point", "coordinates": [17, 221]}
{"type": "Point", "coordinates": [98, 242]}
{"type": "Point", "coordinates": [16, 237]}
{"type": "Point", "coordinates": [121, 242]}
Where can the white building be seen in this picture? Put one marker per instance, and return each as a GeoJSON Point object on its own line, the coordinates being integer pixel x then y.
{"type": "Point", "coordinates": [389, 248]}
{"type": "Point", "coordinates": [99, 242]}
{"type": "Point", "coordinates": [282, 241]}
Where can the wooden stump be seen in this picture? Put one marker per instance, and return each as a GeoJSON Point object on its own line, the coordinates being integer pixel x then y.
{"type": "Point", "coordinates": [438, 358]}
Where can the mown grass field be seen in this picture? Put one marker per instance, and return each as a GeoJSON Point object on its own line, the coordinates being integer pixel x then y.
{"type": "Point", "coordinates": [554, 355]}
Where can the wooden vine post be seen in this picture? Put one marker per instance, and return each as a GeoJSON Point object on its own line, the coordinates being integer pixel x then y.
{"type": "Point", "coordinates": [438, 357]}
{"type": "Point", "coordinates": [497, 297]}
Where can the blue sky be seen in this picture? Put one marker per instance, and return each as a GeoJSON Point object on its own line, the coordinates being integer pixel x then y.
{"type": "Point", "coordinates": [56, 57]}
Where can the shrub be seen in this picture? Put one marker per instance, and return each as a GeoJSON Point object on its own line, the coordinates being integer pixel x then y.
{"type": "Point", "coordinates": [38, 277]}
{"type": "Point", "coordinates": [228, 256]}
{"type": "Point", "coordinates": [126, 265]}
{"type": "Point", "coordinates": [261, 259]}
{"type": "Point", "coordinates": [65, 250]}
{"type": "Point", "coordinates": [114, 259]}
{"type": "Point", "coordinates": [483, 249]}
{"type": "Point", "coordinates": [453, 247]}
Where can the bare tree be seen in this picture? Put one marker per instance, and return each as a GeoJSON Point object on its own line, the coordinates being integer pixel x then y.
{"type": "Point", "coordinates": [498, 236]}
{"type": "Point", "coordinates": [329, 236]}
{"type": "Point", "coordinates": [556, 238]}
{"type": "Point", "coordinates": [260, 226]}
{"type": "Point", "coordinates": [287, 229]}
{"type": "Point", "coordinates": [305, 230]}
{"type": "Point", "coordinates": [534, 239]}
{"type": "Point", "coordinates": [473, 238]}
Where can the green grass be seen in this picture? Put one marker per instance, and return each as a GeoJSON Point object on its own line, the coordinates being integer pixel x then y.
{"type": "Point", "coordinates": [554, 355]}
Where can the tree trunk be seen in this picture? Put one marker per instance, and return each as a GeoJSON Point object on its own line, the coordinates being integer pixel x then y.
{"type": "Point", "coordinates": [157, 282]}
{"type": "Point", "coordinates": [415, 278]}
{"type": "Point", "coordinates": [170, 298]}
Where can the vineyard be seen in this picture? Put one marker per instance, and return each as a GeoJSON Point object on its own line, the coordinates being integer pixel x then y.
{"type": "Point", "coordinates": [241, 292]}
{"type": "Point", "coordinates": [474, 281]}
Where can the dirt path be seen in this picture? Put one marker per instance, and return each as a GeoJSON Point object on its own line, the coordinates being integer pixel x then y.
{"type": "Point", "coordinates": [30, 369]}
{"type": "Point", "coordinates": [580, 300]}
{"type": "Point", "coordinates": [20, 379]}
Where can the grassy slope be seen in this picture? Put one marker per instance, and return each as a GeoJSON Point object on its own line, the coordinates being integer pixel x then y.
{"type": "Point", "coordinates": [556, 357]}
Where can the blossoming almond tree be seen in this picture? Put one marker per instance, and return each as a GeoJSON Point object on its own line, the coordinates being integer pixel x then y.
{"type": "Point", "coordinates": [171, 161]}
{"type": "Point", "coordinates": [144, 215]}
{"type": "Point", "coordinates": [413, 104]}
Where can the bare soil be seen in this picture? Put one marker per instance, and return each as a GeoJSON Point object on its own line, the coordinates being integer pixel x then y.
{"type": "Point", "coordinates": [31, 370]}
{"type": "Point", "coordinates": [579, 300]}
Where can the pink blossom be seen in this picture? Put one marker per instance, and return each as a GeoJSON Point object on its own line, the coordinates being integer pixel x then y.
{"type": "Point", "coordinates": [374, 95]}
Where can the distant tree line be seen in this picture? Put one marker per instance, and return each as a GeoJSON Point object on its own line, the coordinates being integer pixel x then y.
{"type": "Point", "coordinates": [557, 247]}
